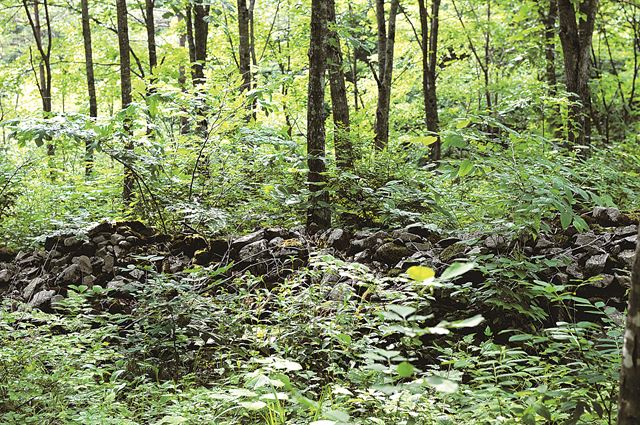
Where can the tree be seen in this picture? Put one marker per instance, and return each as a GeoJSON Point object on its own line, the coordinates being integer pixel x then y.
{"type": "Point", "coordinates": [43, 77]}
{"type": "Point", "coordinates": [318, 212]}
{"type": "Point", "coordinates": [429, 47]}
{"type": "Point", "coordinates": [629, 400]}
{"type": "Point", "coordinates": [197, 21]}
{"type": "Point", "coordinates": [576, 32]}
{"type": "Point", "coordinates": [549, 15]}
{"type": "Point", "coordinates": [386, 44]}
{"type": "Point", "coordinates": [125, 92]}
{"type": "Point", "coordinates": [91, 82]}
{"type": "Point", "coordinates": [339, 103]}
{"type": "Point", "coordinates": [246, 49]}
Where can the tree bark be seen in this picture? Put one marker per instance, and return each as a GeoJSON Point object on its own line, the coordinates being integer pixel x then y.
{"type": "Point", "coordinates": [125, 93]}
{"type": "Point", "coordinates": [549, 18]}
{"type": "Point", "coordinates": [91, 82]}
{"type": "Point", "coordinates": [429, 45]}
{"type": "Point", "coordinates": [244, 50]}
{"type": "Point", "coordinates": [575, 38]}
{"type": "Point", "coordinates": [43, 78]}
{"type": "Point", "coordinates": [339, 103]}
{"type": "Point", "coordinates": [629, 400]}
{"type": "Point", "coordinates": [386, 43]}
{"type": "Point", "coordinates": [318, 212]}
{"type": "Point", "coordinates": [197, 36]}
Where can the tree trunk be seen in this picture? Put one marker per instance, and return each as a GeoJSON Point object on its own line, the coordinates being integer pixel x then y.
{"type": "Point", "coordinates": [150, 25]}
{"type": "Point", "coordinates": [549, 18]}
{"type": "Point", "coordinates": [244, 50]}
{"type": "Point", "coordinates": [385, 70]}
{"type": "Point", "coordinates": [429, 45]}
{"type": "Point", "coordinates": [91, 82]}
{"type": "Point", "coordinates": [198, 44]}
{"type": "Point", "coordinates": [125, 94]}
{"type": "Point", "coordinates": [339, 103]}
{"type": "Point", "coordinates": [575, 37]}
{"type": "Point", "coordinates": [318, 212]}
{"type": "Point", "coordinates": [629, 400]}
{"type": "Point", "coordinates": [43, 78]}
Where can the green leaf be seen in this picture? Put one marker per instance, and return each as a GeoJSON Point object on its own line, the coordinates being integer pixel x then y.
{"type": "Point", "coordinates": [441, 384]}
{"type": "Point", "coordinates": [405, 369]}
{"type": "Point", "coordinates": [253, 405]}
{"type": "Point", "coordinates": [468, 323]}
{"type": "Point", "coordinates": [465, 168]}
{"type": "Point", "coordinates": [566, 216]}
{"type": "Point", "coordinates": [456, 269]}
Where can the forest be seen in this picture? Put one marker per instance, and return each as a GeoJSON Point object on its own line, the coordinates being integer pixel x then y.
{"type": "Point", "coordinates": [320, 212]}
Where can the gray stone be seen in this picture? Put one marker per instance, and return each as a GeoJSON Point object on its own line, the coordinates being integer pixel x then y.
{"type": "Point", "coordinates": [71, 242]}
{"type": "Point", "coordinates": [71, 274]}
{"type": "Point", "coordinates": [5, 276]}
{"type": "Point", "coordinates": [247, 239]}
{"type": "Point", "coordinates": [116, 238]}
{"type": "Point", "coordinates": [109, 262]}
{"type": "Point", "coordinates": [339, 239]}
{"type": "Point", "coordinates": [573, 270]}
{"type": "Point", "coordinates": [88, 280]}
{"type": "Point", "coordinates": [544, 243]}
{"type": "Point", "coordinates": [632, 229]}
{"type": "Point", "coordinates": [595, 265]}
{"type": "Point", "coordinates": [41, 298]}
{"type": "Point", "coordinates": [391, 253]}
{"type": "Point", "coordinates": [55, 300]}
{"type": "Point", "coordinates": [608, 216]}
{"type": "Point", "coordinates": [429, 231]}
{"type": "Point", "coordinates": [627, 258]}
{"type": "Point", "coordinates": [27, 293]}
{"type": "Point", "coordinates": [253, 250]}
{"type": "Point", "coordinates": [629, 242]}
{"type": "Point", "coordinates": [84, 264]}
{"type": "Point", "coordinates": [496, 243]}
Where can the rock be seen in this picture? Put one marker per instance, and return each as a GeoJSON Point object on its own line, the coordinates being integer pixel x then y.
{"type": "Point", "coordinates": [116, 238]}
{"type": "Point", "coordinates": [391, 253]}
{"type": "Point", "coordinates": [629, 242]}
{"type": "Point", "coordinates": [573, 270]}
{"type": "Point", "coordinates": [100, 239]}
{"type": "Point", "coordinates": [340, 292]}
{"type": "Point", "coordinates": [595, 265]}
{"type": "Point", "coordinates": [632, 229]}
{"type": "Point", "coordinates": [239, 243]}
{"type": "Point", "coordinates": [88, 280]}
{"type": "Point", "coordinates": [627, 258]}
{"type": "Point", "coordinates": [452, 251]}
{"type": "Point", "coordinates": [125, 244]}
{"type": "Point", "coordinates": [623, 280]}
{"type": "Point", "coordinates": [55, 300]}
{"type": "Point", "coordinates": [428, 231]}
{"type": "Point", "coordinates": [202, 257]}
{"type": "Point", "coordinates": [5, 276]}
{"type": "Point", "coordinates": [446, 242]}
{"type": "Point", "coordinates": [27, 293]}
{"type": "Point", "coordinates": [137, 274]}
{"type": "Point", "coordinates": [496, 243]}
{"type": "Point", "coordinates": [87, 248]}
{"type": "Point", "coordinates": [606, 281]}
{"type": "Point", "coordinates": [253, 250]}
{"type": "Point", "coordinates": [71, 242]}
{"type": "Point", "coordinates": [339, 239]}
{"type": "Point", "coordinates": [41, 298]}
{"type": "Point", "coordinates": [104, 227]}
{"type": "Point", "coordinates": [219, 247]}
{"type": "Point", "coordinates": [362, 256]}
{"type": "Point", "coordinates": [403, 236]}
{"type": "Point", "coordinates": [609, 217]}
{"type": "Point", "coordinates": [544, 243]}
{"type": "Point", "coordinates": [84, 264]}
{"type": "Point", "coordinates": [560, 278]}
{"type": "Point", "coordinates": [71, 274]}
{"type": "Point", "coordinates": [109, 262]}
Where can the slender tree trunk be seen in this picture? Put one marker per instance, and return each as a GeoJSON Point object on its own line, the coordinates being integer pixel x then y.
{"type": "Point", "coordinates": [629, 400]}
{"type": "Point", "coordinates": [576, 32]}
{"type": "Point", "coordinates": [318, 212]}
{"type": "Point", "coordinates": [244, 50]}
{"type": "Point", "coordinates": [91, 82]}
{"type": "Point", "coordinates": [339, 103]}
{"type": "Point", "coordinates": [429, 45]}
{"type": "Point", "coordinates": [125, 94]}
{"type": "Point", "coordinates": [150, 25]}
{"type": "Point", "coordinates": [43, 78]}
{"type": "Point", "coordinates": [198, 43]}
{"type": "Point", "coordinates": [385, 71]}
{"type": "Point", "coordinates": [549, 18]}
{"type": "Point", "coordinates": [182, 81]}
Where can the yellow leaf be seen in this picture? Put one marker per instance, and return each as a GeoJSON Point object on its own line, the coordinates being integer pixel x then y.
{"type": "Point", "coordinates": [427, 140]}
{"type": "Point", "coordinates": [463, 123]}
{"type": "Point", "coordinates": [421, 273]}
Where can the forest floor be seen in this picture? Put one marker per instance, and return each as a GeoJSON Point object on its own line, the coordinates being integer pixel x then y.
{"type": "Point", "coordinates": [282, 317]}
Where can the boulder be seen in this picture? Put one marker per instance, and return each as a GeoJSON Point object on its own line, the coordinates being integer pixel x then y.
{"type": "Point", "coordinates": [42, 298]}
{"type": "Point", "coordinates": [253, 251]}
{"type": "Point", "coordinates": [608, 217]}
{"type": "Point", "coordinates": [239, 243]}
{"type": "Point", "coordinates": [595, 265]}
{"type": "Point", "coordinates": [339, 239]}
{"type": "Point", "coordinates": [391, 253]}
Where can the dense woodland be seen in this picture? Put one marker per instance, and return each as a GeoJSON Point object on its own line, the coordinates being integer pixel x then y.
{"type": "Point", "coordinates": [319, 212]}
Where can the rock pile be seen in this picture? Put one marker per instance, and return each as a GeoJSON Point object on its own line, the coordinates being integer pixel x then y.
{"type": "Point", "coordinates": [109, 253]}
